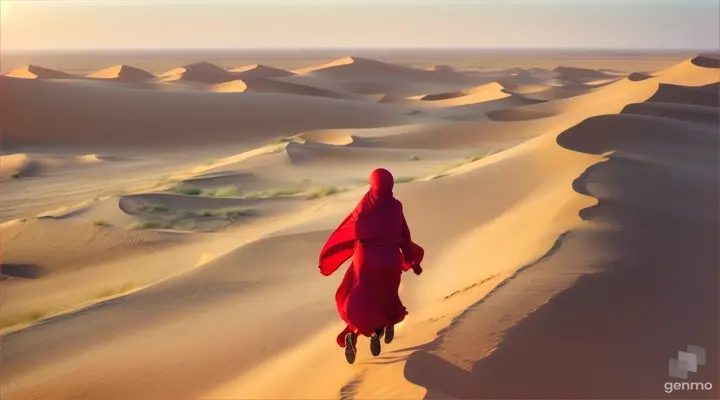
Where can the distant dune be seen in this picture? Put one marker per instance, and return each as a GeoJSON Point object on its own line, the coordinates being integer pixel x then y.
{"type": "Point", "coordinates": [270, 85]}
{"type": "Point", "coordinates": [573, 74]}
{"type": "Point", "coordinates": [123, 73]}
{"type": "Point", "coordinates": [473, 95]}
{"type": "Point", "coordinates": [489, 91]}
{"type": "Point", "coordinates": [607, 98]}
{"type": "Point", "coordinates": [445, 68]}
{"type": "Point", "coordinates": [202, 72]}
{"type": "Point", "coordinates": [561, 92]}
{"type": "Point", "coordinates": [354, 68]}
{"type": "Point", "coordinates": [109, 115]}
{"type": "Point", "coordinates": [25, 165]}
{"type": "Point", "coordinates": [525, 79]}
{"type": "Point", "coordinates": [260, 71]}
{"type": "Point", "coordinates": [35, 72]}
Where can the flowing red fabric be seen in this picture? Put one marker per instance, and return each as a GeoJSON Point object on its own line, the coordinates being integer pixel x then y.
{"type": "Point", "coordinates": [376, 235]}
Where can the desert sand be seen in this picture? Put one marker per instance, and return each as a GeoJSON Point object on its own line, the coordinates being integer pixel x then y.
{"type": "Point", "coordinates": [159, 228]}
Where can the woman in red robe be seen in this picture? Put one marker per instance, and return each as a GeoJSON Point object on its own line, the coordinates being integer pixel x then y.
{"type": "Point", "coordinates": [376, 236]}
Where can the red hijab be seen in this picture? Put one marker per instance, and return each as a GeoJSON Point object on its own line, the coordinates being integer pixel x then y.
{"type": "Point", "coordinates": [380, 203]}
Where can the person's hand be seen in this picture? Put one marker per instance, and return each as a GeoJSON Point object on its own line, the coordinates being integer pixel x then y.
{"type": "Point", "coordinates": [417, 270]}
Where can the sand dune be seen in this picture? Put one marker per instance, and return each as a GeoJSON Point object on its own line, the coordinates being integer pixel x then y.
{"type": "Point", "coordinates": [574, 74]}
{"type": "Point", "coordinates": [90, 115]}
{"type": "Point", "coordinates": [365, 76]}
{"type": "Point", "coordinates": [35, 72]}
{"type": "Point", "coordinates": [560, 83]}
{"type": "Point", "coordinates": [470, 104]}
{"type": "Point", "coordinates": [635, 200]}
{"type": "Point", "coordinates": [451, 237]}
{"type": "Point", "coordinates": [478, 94]}
{"type": "Point", "coordinates": [535, 196]}
{"type": "Point", "coordinates": [448, 135]}
{"type": "Point", "coordinates": [608, 97]}
{"type": "Point", "coordinates": [557, 93]}
{"type": "Point", "coordinates": [202, 72]}
{"type": "Point", "coordinates": [123, 73]}
{"type": "Point", "coordinates": [525, 89]}
{"type": "Point", "coordinates": [260, 71]}
{"type": "Point", "coordinates": [538, 303]}
{"type": "Point", "coordinates": [24, 165]}
{"type": "Point", "coordinates": [550, 93]}
{"type": "Point", "coordinates": [697, 71]}
{"type": "Point", "coordinates": [354, 67]}
{"type": "Point", "coordinates": [262, 85]}
{"type": "Point", "coordinates": [235, 86]}
{"type": "Point", "coordinates": [526, 82]}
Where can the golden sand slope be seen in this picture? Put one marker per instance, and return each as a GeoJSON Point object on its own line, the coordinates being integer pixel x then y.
{"type": "Point", "coordinates": [122, 73]}
{"type": "Point", "coordinates": [234, 86]}
{"type": "Point", "coordinates": [697, 71]}
{"type": "Point", "coordinates": [477, 356]}
{"type": "Point", "coordinates": [466, 234]}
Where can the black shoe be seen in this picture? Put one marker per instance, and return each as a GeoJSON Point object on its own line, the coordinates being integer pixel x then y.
{"type": "Point", "coordinates": [375, 345]}
{"type": "Point", "coordinates": [380, 332]}
{"type": "Point", "coordinates": [350, 350]}
{"type": "Point", "coordinates": [389, 333]}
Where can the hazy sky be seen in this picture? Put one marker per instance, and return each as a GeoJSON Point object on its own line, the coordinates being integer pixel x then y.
{"type": "Point", "coordinates": [134, 24]}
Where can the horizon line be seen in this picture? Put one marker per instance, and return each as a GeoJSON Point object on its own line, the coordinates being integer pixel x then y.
{"type": "Point", "coordinates": [298, 49]}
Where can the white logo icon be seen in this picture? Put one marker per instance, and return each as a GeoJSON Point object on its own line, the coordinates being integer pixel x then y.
{"type": "Point", "coordinates": [687, 361]}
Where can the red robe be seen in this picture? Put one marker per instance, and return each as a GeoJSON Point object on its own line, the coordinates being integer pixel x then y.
{"type": "Point", "coordinates": [377, 237]}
